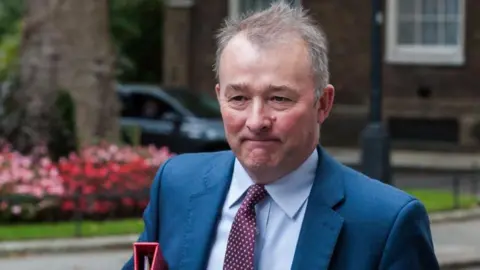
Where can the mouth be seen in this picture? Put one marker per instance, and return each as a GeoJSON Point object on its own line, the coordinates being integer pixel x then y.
{"type": "Point", "coordinates": [261, 141]}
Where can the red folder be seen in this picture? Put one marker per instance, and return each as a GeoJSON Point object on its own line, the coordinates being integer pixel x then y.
{"type": "Point", "coordinates": [148, 255]}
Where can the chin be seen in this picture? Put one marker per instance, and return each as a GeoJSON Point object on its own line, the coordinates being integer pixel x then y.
{"type": "Point", "coordinates": [258, 163]}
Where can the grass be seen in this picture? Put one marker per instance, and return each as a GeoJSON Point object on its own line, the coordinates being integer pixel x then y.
{"type": "Point", "coordinates": [434, 201]}
{"type": "Point", "coordinates": [67, 229]}
{"type": "Point", "coordinates": [441, 200]}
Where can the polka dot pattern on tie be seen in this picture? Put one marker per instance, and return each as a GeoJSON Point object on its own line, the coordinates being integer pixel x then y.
{"type": "Point", "coordinates": [241, 240]}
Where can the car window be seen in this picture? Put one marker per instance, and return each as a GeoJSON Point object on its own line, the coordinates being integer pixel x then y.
{"type": "Point", "coordinates": [199, 104]}
{"type": "Point", "coordinates": [144, 106]}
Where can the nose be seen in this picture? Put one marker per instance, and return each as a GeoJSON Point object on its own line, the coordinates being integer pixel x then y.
{"type": "Point", "coordinates": [257, 120]}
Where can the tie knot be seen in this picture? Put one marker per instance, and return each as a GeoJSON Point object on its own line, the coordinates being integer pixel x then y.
{"type": "Point", "coordinates": [255, 194]}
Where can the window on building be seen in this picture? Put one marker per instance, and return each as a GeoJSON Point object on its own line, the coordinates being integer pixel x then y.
{"type": "Point", "coordinates": [425, 31]}
{"type": "Point", "coordinates": [238, 7]}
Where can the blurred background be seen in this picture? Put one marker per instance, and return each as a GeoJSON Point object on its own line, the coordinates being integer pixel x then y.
{"type": "Point", "coordinates": [96, 94]}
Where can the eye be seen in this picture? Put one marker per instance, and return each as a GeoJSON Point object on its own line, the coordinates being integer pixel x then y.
{"type": "Point", "coordinates": [280, 99]}
{"type": "Point", "coordinates": [238, 98]}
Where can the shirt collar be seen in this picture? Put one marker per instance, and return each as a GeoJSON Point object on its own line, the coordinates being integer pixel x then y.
{"type": "Point", "coordinates": [288, 192]}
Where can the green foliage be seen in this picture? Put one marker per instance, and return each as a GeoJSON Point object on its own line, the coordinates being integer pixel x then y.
{"type": "Point", "coordinates": [10, 13]}
{"type": "Point", "coordinates": [9, 45]}
{"type": "Point", "coordinates": [10, 34]}
{"type": "Point", "coordinates": [137, 30]}
{"type": "Point", "coordinates": [62, 133]}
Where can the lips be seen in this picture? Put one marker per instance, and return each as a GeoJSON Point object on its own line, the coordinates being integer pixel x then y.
{"type": "Point", "coordinates": [260, 139]}
{"type": "Point", "coordinates": [262, 142]}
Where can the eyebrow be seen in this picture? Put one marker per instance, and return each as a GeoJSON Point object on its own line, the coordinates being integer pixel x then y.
{"type": "Point", "coordinates": [279, 88]}
{"type": "Point", "coordinates": [273, 88]}
{"type": "Point", "coordinates": [237, 86]}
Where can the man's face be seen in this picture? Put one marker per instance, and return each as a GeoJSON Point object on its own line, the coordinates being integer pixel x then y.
{"type": "Point", "coordinates": [268, 104]}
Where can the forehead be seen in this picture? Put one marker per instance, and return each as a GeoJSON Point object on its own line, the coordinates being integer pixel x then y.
{"type": "Point", "coordinates": [276, 63]}
{"type": "Point", "coordinates": [240, 47]}
{"type": "Point", "coordinates": [284, 63]}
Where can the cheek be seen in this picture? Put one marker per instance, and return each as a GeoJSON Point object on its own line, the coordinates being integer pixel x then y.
{"type": "Point", "coordinates": [233, 121]}
{"type": "Point", "coordinates": [289, 123]}
{"type": "Point", "coordinates": [297, 125]}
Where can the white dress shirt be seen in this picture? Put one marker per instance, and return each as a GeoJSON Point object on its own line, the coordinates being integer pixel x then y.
{"type": "Point", "coordinates": [279, 216]}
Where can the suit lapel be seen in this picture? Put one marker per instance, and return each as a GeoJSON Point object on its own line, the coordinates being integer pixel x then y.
{"type": "Point", "coordinates": [204, 211]}
{"type": "Point", "coordinates": [321, 225]}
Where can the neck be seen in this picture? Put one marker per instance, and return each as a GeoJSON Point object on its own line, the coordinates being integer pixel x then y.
{"type": "Point", "coordinates": [265, 176]}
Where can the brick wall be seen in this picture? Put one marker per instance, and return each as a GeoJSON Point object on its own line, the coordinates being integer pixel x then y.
{"type": "Point", "coordinates": [454, 91]}
{"type": "Point", "coordinates": [208, 15]}
{"type": "Point", "coordinates": [347, 25]}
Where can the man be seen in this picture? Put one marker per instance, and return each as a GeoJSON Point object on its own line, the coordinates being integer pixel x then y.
{"type": "Point", "coordinates": [278, 200]}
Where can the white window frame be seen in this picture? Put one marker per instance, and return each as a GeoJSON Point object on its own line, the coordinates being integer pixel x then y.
{"type": "Point", "coordinates": [418, 54]}
{"type": "Point", "coordinates": [234, 7]}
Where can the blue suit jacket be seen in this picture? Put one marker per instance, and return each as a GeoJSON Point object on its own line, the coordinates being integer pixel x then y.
{"type": "Point", "coordinates": [351, 221]}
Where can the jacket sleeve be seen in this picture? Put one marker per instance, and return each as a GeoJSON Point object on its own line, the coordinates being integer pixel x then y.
{"type": "Point", "coordinates": [150, 215]}
{"type": "Point", "coordinates": [409, 244]}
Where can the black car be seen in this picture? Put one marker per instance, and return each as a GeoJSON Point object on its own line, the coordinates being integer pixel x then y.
{"type": "Point", "coordinates": [182, 120]}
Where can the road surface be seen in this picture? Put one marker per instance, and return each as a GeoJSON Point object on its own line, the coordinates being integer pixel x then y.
{"type": "Point", "coordinates": [454, 239]}
{"type": "Point", "coordinates": [457, 240]}
{"type": "Point", "coordinates": [111, 260]}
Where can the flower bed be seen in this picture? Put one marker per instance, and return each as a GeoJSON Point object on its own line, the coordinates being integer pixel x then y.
{"type": "Point", "coordinates": [112, 182]}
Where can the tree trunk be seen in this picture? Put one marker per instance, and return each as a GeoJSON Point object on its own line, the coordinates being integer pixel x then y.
{"type": "Point", "coordinates": [66, 46]}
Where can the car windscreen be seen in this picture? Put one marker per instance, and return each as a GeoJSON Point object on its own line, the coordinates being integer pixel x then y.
{"type": "Point", "coordinates": [201, 105]}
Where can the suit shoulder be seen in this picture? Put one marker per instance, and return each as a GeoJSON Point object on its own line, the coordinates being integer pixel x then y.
{"type": "Point", "coordinates": [183, 168]}
{"type": "Point", "coordinates": [201, 158]}
{"type": "Point", "coordinates": [370, 207]}
{"type": "Point", "coordinates": [380, 198]}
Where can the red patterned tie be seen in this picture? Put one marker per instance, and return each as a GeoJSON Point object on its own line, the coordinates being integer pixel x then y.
{"type": "Point", "coordinates": [241, 240]}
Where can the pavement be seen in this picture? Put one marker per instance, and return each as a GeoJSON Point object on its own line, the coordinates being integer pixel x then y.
{"type": "Point", "coordinates": [456, 237]}
{"type": "Point", "coordinates": [415, 160]}
{"type": "Point", "coordinates": [457, 244]}
{"type": "Point", "coordinates": [89, 260]}
{"type": "Point", "coordinates": [104, 260]}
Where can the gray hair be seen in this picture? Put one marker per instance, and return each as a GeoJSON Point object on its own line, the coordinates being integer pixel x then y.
{"type": "Point", "coordinates": [274, 24]}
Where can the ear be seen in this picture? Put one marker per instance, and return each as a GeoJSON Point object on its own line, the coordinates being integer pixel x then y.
{"type": "Point", "coordinates": [325, 103]}
{"type": "Point", "coordinates": [217, 91]}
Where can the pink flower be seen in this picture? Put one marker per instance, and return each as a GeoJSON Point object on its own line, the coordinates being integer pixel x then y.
{"type": "Point", "coordinates": [113, 148]}
{"type": "Point", "coordinates": [23, 189]}
{"type": "Point", "coordinates": [4, 178]}
{"type": "Point", "coordinates": [16, 209]}
{"type": "Point", "coordinates": [25, 162]}
{"type": "Point", "coordinates": [42, 172]}
{"type": "Point", "coordinates": [54, 173]}
{"type": "Point", "coordinates": [26, 176]}
{"type": "Point", "coordinates": [97, 169]}
{"type": "Point", "coordinates": [45, 162]}
{"type": "Point", "coordinates": [37, 192]}
{"type": "Point", "coordinates": [56, 190]}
